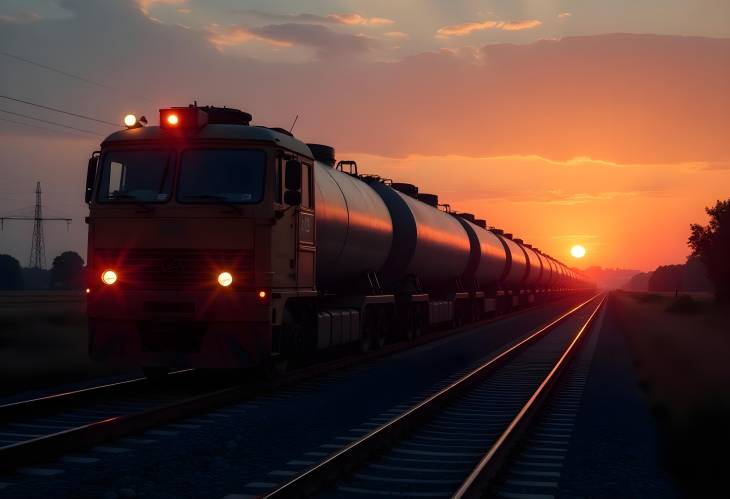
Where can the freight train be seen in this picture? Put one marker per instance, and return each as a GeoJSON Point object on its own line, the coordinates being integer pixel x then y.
{"type": "Point", "coordinates": [216, 243]}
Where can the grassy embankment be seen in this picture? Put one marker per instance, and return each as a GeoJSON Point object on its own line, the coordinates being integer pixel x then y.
{"type": "Point", "coordinates": [43, 341]}
{"type": "Point", "coordinates": [681, 351]}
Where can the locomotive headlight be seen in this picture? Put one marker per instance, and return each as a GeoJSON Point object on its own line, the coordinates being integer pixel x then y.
{"type": "Point", "coordinates": [109, 277]}
{"type": "Point", "coordinates": [225, 279]}
{"type": "Point", "coordinates": [173, 120]}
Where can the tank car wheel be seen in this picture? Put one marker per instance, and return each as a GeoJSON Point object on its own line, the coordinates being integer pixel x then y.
{"type": "Point", "coordinates": [410, 328]}
{"type": "Point", "coordinates": [419, 327]}
{"type": "Point", "coordinates": [458, 319]}
{"type": "Point", "coordinates": [373, 331]}
{"type": "Point", "coordinates": [382, 328]}
{"type": "Point", "coordinates": [415, 327]}
{"type": "Point", "coordinates": [155, 373]}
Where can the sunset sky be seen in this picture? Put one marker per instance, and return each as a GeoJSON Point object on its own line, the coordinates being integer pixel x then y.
{"type": "Point", "coordinates": [601, 123]}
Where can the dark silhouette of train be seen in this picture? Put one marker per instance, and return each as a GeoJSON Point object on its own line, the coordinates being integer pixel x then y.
{"type": "Point", "coordinates": [215, 243]}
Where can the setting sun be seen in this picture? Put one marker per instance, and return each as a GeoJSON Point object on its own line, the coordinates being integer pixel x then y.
{"type": "Point", "coordinates": [578, 251]}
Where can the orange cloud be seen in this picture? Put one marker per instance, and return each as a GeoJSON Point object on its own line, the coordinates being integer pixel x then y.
{"type": "Point", "coordinates": [347, 18]}
{"type": "Point", "coordinates": [519, 25]}
{"type": "Point", "coordinates": [145, 5]}
{"type": "Point", "coordinates": [326, 42]}
{"type": "Point", "coordinates": [564, 15]}
{"type": "Point", "coordinates": [356, 19]}
{"type": "Point", "coordinates": [396, 34]}
{"type": "Point", "coordinates": [464, 28]}
{"type": "Point", "coordinates": [467, 28]}
{"type": "Point", "coordinates": [20, 18]}
{"type": "Point", "coordinates": [237, 36]}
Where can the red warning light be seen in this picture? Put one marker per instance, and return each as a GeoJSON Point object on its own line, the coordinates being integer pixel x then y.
{"type": "Point", "coordinates": [189, 118]}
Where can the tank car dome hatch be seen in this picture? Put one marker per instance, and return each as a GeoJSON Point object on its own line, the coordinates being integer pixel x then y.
{"type": "Point", "coordinates": [429, 199]}
{"type": "Point", "coordinates": [226, 115]}
{"type": "Point", "coordinates": [480, 222]}
{"type": "Point", "coordinates": [507, 235]}
{"type": "Point", "coordinates": [468, 216]}
{"type": "Point", "coordinates": [407, 189]}
{"type": "Point", "coordinates": [497, 231]}
{"type": "Point", "coordinates": [323, 153]}
{"type": "Point", "coordinates": [519, 241]}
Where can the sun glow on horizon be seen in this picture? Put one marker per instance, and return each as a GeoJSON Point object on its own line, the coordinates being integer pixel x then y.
{"type": "Point", "coordinates": [578, 251]}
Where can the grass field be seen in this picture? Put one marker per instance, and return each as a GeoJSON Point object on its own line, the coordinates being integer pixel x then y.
{"type": "Point", "coordinates": [681, 350]}
{"type": "Point", "coordinates": [43, 341]}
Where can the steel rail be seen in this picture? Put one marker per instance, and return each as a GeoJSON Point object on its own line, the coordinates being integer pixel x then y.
{"type": "Point", "coordinates": [479, 479]}
{"type": "Point", "coordinates": [48, 446]}
{"type": "Point", "coordinates": [58, 401]}
{"type": "Point", "coordinates": [354, 454]}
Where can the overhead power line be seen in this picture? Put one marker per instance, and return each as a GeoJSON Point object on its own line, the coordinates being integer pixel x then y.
{"type": "Point", "coordinates": [67, 74]}
{"type": "Point", "coordinates": [56, 110]}
{"type": "Point", "coordinates": [39, 127]}
{"type": "Point", "coordinates": [49, 122]}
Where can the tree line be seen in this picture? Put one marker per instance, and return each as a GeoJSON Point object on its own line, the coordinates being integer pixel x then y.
{"type": "Point", "coordinates": [708, 265]}
{"type": "Point", "coordinates": [67, 272]}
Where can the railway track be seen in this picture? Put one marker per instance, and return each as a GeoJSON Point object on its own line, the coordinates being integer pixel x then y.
{"type": "Point", "coordinates": [454, 443]}
{"type": "Point", "coordinates": [41, 429]}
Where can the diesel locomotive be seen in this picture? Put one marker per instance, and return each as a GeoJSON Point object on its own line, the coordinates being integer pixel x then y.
{"type": "Point", "coordinates": [216, 243]}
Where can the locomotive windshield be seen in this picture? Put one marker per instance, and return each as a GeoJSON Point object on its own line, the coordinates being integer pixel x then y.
{"type": "Point", "coordinates": [135, 176]}
{"type": "Point", "coordinates": [229, 175]}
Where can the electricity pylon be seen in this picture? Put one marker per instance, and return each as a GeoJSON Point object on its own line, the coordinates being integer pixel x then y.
{"type": "Point", "coordinates": [37, 258]}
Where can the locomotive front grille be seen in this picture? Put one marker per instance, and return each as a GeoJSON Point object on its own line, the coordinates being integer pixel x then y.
{"type": "Point", "coordinates": [165, 268]}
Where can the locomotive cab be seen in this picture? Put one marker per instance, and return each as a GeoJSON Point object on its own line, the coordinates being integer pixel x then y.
{"type": "Point", "coordinates": [199, 229]}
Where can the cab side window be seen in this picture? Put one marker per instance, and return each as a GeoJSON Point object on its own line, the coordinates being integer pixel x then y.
{"type": "Point", "coordinates": [307, 201]}
{"type": "Point", "coordinates": [277, 181]}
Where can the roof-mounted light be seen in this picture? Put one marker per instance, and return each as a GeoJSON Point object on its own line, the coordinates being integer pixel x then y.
{"type": "Point", "coordinates": [183, 117]}
{"type": "Point", "coordinates": [131, 121]}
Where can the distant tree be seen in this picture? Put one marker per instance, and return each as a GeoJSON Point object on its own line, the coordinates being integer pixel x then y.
{"type": "Point", "coordinates": [11, 276]}
{"type": "Point", "coordinates": [639, 282]}
{"type": "Point", "coordinates": [695, 276]}
{"type": "Point", "coordinates": [711, 243]}
{"type": "Point", "coordinates": [67, 271]}
{"type": "Point", "coordinates": [667, 278]}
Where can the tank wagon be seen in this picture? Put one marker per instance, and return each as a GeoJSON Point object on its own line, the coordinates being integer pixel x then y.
{"type": "Point", "coordinates": [216, 243]}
